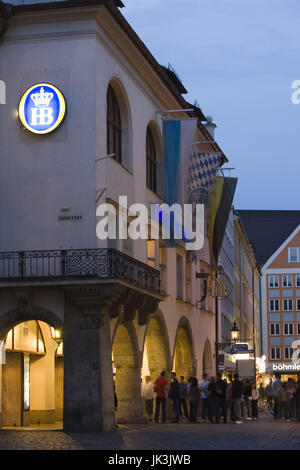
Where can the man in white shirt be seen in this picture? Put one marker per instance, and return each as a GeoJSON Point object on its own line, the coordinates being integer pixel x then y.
{"type": "Point", "coordinates": [148, 396]}
{"type": "Point", "coordinates": [203, 386]}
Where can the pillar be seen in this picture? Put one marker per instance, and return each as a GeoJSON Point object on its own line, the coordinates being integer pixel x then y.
{"type": "Point", "coordinates": [88, 385]}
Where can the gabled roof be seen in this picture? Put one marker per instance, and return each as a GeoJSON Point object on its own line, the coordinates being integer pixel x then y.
{"type": "Point", "coordinates": [268, 229]}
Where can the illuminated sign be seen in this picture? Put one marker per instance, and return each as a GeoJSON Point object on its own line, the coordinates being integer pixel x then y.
{"type": "Point", "coordinates": [42, 108]}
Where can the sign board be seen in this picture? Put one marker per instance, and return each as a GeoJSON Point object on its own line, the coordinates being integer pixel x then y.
{"type": "Point", "coordinates": [42, 108]}
{"type": "Point", "coordinates": [239, 348]}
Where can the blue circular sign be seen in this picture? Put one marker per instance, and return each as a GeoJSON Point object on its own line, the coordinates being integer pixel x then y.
{"type": "Point", "coordinates": [42, 108]}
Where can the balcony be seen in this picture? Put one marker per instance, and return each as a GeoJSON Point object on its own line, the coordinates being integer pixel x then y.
{"type": "Point", "coordinates": [56, 265]}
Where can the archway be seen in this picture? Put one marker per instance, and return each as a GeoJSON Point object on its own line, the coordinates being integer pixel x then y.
{"type": "Point", "coordinates": [156, 355]}
{"type": "Point", "coordinates": [32, 376]}
{"type": "Point", "coordinates": [184, 358]}
{"type": "Point", "coordinates": [127, 375]}
{"type": "Point", "coordinates": [207, 359]}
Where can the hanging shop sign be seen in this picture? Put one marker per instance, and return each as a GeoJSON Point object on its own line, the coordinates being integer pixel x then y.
{"type": "Point", "coordinates": [42, 108]}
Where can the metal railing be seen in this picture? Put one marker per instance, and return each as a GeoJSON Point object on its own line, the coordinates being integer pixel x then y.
{"type": "Point", "coordinates": [76, 264]}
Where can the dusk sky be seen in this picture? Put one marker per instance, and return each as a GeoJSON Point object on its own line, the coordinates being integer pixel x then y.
{"type": "Point", "coordinates": [238, 59]}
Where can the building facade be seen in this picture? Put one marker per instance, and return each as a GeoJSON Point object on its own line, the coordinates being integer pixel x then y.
{"type": "Point", "coordinates": [125, 308]}
{"type": "Point", "coordinates": [247, 311]}
{"type": "Point", "coordinates": [281, 306]}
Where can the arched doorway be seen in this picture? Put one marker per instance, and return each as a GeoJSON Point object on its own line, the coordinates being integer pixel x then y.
{"type": "Point", "coordinates": [32, 376]}
{"type": "Point", "coordinates": [127, 375]}
{"type": "Point", "coordinates": [207, 359]}
{"type": "Point", "coordinates": [156, 355]}
{"type": "Point", "coordinates": [184, 362]}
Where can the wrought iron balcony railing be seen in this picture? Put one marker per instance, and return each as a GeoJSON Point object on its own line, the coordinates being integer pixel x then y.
{"type": "Point", "coordinates": [77, 264]}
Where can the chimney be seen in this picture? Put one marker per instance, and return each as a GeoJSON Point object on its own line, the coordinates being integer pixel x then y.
{"type": "Point", "coordinates": [210, 126]}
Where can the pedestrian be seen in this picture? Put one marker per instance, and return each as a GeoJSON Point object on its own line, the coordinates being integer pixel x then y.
{"type": "Point", "coordinates": [203, 386]}
{"type": "Point", "coordinates": [291, 390]}
{"type": "Point", "coordinates": [213, 413]}
{"type": "Point", "coordinates": [247, 397]}
{"type": "Point", "coordinates": [183, 397]}
{"type": "Point", "coordinates": [269, 395]}
{"type": "Point", "coordinates": [284, 401]}
{"type": "Point", "coordinates": [194, 400]}
{"type": "Point", "coordinates": [161, 386]}
{"type": "Point", "coordinates": [276, 387]}
{"type": "Point", "coordinates": [254, 401]}
{"type": "Point", "coordinates": [174, 395]}
{"type": "Point", "coordinates": [148, 396]}
{"type": "Point", "coordinates": [297, 399]}
{"type": "Point", "coordinates": [221, 388]}
{"type": "Point", "coordinates": [237, 390]}
{"type": "Point", "coordinates": [229, 400]}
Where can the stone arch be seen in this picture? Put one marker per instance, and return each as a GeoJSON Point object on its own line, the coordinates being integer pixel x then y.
{"type": "Point", "coordinates": [207, 359]}
{"type": "Point", "coordinates": [13, 317]}
{"type": "Point", "coordinates": [38, 389]}
{"type": "Point", "coordinates": [126, 121]}
{"type": "Point", "coordinates": [184, 355]}
{"type": "Point", "coordinates": [156, 350]}
{"type": "Point", "coordinates": [127, 373]}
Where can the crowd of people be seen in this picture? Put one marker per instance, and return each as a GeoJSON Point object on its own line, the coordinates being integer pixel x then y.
{"type": "Point", "coordinates": [217, 400]}
{"type": "Point", "coordinates": [214, 401]}
{"type": "Point", "coordinates": [283, 398]}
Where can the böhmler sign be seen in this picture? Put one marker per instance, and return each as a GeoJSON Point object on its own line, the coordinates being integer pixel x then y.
{"type": "Point", "coordinates": [42, 108]}
{"type": "Point", "coordinates": [286, 367]}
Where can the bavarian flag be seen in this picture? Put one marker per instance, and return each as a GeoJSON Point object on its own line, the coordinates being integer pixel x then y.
{"type": "Point", "coordinates": [219, 207]}
{"type": "Point", "coordinates": [178, 138]}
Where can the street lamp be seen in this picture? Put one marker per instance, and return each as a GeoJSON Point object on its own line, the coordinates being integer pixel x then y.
{"type": "Point", "coordinates": [234, 332]}
{"type": "Point", "coordinates": [56, 335]}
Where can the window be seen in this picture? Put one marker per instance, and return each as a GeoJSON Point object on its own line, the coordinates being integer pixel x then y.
{"type": "Point", "coordinates": [273, 281]}
{"type": "Point", "coordinates": [294, 255]}
{"type": "Point", "coordinates": [275, 353]}
{"type": "Point", "coordinates": [298, 304]}
{"type": "Point", "coordinates": [114, 126]}
{"type": "Point", "coordinates": [287, 281]}
{"type": "Point", "coordinates": [297, 281]}
{"type": "Point", "coordinates": [179, 276]}
{"type": "Point", "coordinates": [151, 161]}
{"type": "Point", "coordinates": [288, 329]}
{"type": "Point", "coordinates": [151, 258]}
{"type": "Point", "coordinates": [287, 305]}
{"type": "Point", "coordinates": [298, 329]}
{"type": "Point", "coordinates": [274, 305]}
{"type": "Point", "coordinates": [288, 353]}
{"type": "Point", "coordinates": [188, 279]}
{"type": "Point", "coordinates": [275, 329]}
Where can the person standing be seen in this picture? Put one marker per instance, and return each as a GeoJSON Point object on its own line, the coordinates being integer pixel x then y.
{"type": "Point", "coordinates": [161, 385]}
{"type": "Point", "coordinates": [221, 386]}
{"type": "Point", "coordinates": [183, 396]}
{"type": "Point", "coordinates": [237, 390]}
{"type": "Point", "coordinates": [174, 395]}
{"type": "Point", "coordinates": [247, 397]}
{"type": "Point", "coordinates": [276, 388]}
{"type": "Point", "coordinates": [297, 399]}
{"type": "Point", "coordinates": [148, 396]}
{"type": "Point", "coordinates": [194, 400]}
{"type": "Point", "coordinates": [213, 412]}
{"type": "Point", "coordinates": [254, 401]}
{"type": "Point", "coordinates": [203, 386]}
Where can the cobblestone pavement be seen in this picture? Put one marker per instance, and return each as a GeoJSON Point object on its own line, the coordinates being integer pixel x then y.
{"type": "Point", "coordinates": [263, 434]}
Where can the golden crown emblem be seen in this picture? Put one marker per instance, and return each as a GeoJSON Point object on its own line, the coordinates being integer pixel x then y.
{"type": "Point", "coordinates": [42, 98]}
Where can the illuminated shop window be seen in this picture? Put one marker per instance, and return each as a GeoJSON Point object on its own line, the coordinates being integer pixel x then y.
{"type": "Point", "coordinates": [26, 337]}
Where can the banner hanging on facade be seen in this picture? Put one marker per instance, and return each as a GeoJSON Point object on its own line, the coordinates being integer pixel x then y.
{"type": "Point", "coordinates": [178, 138]}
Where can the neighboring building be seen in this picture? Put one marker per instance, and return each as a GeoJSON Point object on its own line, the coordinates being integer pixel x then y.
{"type": "Point", "coordinates": [105, 297]}
{"type": "Point", "coordinates": [247, 289]}
{"type": "Point", "coordinates": [226, 304]}
{"type": "Point", "coordinates": [276, 236]}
